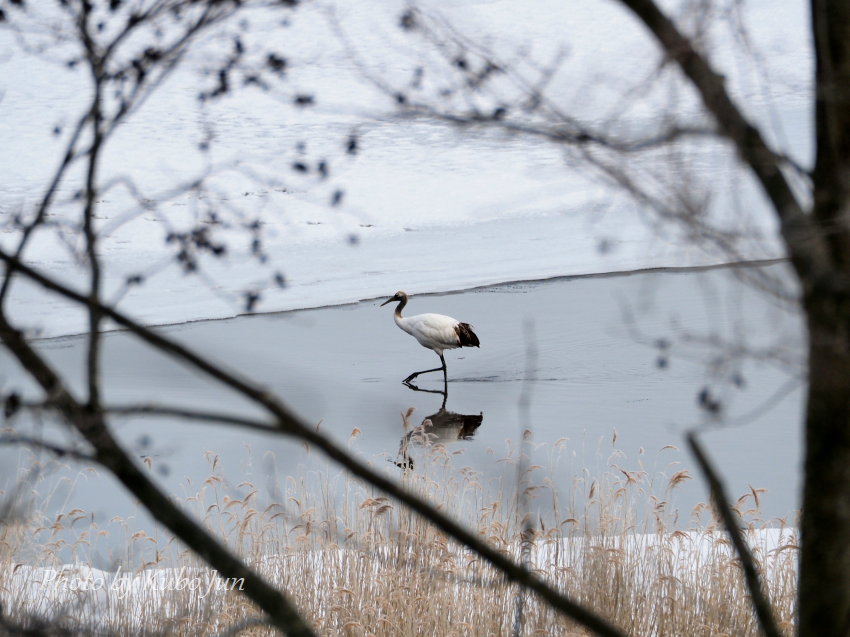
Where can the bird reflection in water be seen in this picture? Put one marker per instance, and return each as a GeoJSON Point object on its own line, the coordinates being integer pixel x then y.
{"type": "Point", "coordinates": [442, 427]}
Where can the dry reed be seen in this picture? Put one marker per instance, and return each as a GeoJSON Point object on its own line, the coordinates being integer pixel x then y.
{"type": "Point", "coordinates": [359, 564]}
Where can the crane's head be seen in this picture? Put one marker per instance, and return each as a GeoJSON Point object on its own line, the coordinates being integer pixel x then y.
{"type": "Point", "coordinates": [399, 296]}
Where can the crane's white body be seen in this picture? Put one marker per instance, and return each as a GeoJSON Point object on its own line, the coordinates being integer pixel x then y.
{"type": "Point", "coordinates": [437, 332]}
{"type": "Point", "coordinates": [434, 331]}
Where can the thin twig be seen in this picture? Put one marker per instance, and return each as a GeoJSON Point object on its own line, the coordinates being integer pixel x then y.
{"type": "Point", "coordinates": [191, 414]}
{"type": "Point", "coordinates": [57, 450]}
{"type": "Point", "coordinates": [68, 158]}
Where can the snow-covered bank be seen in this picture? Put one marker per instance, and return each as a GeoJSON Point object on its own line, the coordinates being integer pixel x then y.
{"type": "Point", "coordinates": [116, 601]}
{"type": "Point", "coordinates": [426, 208]}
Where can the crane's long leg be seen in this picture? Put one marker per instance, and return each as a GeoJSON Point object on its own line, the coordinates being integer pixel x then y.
{"type": "Point", "coordinates": [425, 371]}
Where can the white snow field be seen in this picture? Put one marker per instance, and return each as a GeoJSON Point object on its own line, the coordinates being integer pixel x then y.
{"type": "Point", "coordinates": [119, 601]}
{"type": "Point", "coordinates": [426, 207]}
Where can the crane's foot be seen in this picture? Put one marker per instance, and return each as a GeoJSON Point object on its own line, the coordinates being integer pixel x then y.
{"type": "Point", "coordinates": [424, 371]}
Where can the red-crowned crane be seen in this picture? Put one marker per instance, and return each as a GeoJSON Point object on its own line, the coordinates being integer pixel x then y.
{"type": "Point", "coordinates": [434, 331]}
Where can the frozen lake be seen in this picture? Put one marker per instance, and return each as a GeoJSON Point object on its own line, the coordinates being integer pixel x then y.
{"type": "Point", "coordinates": [582, 350]}
{"type": "Point", "coordinates": [426, 208]}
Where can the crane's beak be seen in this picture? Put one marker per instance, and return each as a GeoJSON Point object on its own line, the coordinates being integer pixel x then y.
{"type": "Point", "coordinates": [388, 301]}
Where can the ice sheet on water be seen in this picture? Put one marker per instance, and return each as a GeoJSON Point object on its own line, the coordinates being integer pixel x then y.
{"type": "Point", "coordinates": [424, 209]}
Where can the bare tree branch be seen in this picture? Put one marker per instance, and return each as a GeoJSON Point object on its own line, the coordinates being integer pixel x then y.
{"type": "Point", "coordinates": [761, 602]}
{"type": "Point", "coordinates": [803, 239]}
{"type": "Point", "coordinates": [95, 118]}
{"type": "Point", "coordinates": [830, 30]}
{"type": "Point", "coordinates": [109, 453]}
{"type": "Point", "coordinates": [155, 410]}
